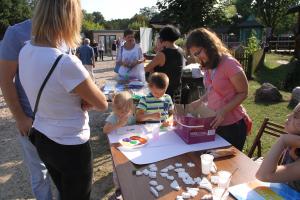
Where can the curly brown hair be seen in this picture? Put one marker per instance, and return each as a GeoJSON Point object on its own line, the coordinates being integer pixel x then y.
{"type": "Point", "coordinates": [208, 40]}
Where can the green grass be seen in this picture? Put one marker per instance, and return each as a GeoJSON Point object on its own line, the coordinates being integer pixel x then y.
{"type": "Point", "coordinates": [274, 73]}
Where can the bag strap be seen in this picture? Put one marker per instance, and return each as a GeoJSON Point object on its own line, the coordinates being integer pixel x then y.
{"type": "Point", "coordinates": [121, 49]}
{"type": "Point", "coordinates": [44, 83]}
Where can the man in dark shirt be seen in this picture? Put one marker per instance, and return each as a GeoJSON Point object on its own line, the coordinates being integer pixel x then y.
{"type": "Point", "coordinates": [87, 56]}
{"type": "Point", "coordinates": [113, 49]}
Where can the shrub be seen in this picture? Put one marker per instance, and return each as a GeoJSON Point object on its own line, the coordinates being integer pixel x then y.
{"type": "Point", "coordinates": [252, 45]}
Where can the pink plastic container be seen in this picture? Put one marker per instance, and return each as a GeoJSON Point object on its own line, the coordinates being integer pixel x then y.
{"type": "Point", "coordinates": [194, 130]}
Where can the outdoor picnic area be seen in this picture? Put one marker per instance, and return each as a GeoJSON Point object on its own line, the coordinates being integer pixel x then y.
{"type": "Point", "coordinates": [172, 100]}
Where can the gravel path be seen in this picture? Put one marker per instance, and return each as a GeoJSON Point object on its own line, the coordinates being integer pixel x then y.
{"type": "Point", "coordinates": [14, 178]}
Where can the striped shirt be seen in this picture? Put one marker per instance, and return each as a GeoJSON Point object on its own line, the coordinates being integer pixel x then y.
{"type": "Point", "coordinates": [151, 104]}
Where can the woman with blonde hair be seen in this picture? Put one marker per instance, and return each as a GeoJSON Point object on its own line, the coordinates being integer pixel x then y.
{"type": "Point", "coordinates": [226, 85]}
{"type": "Point", "coordinates": [60, 90]}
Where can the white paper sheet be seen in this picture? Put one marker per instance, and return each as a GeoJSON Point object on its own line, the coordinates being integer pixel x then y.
{"type": "Point", "coordinates": [167, 145]}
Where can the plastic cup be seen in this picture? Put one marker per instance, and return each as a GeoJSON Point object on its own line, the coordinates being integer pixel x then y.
{"type": "Point", "coordinates": [224, 179]}
{"type": "Point", "coordinates": [206, 163]}
{"type": "Point", "coordinates": [155, 131]}
{"type": "Point", "coordinates": [219, 194]}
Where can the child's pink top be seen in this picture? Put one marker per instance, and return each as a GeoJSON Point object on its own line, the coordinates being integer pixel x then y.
{"type": "Point", "coordinates": [220, 89]}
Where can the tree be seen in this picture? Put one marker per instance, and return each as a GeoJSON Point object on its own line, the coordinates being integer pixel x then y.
{"type": "Point", "coordinates": [12, 12]}
{"type": "Point", "coordinates": [137, 21]}
{"type": "Point", "coordinates": [244, 8]}
{"type": "Point", "coordinates": [271, 12]}
{"type": "Point", "coordinates": [117, 24]}
{"type": "Point", "coordinates": [149, 12]}
{"type": "Point", "coordinates": [252, 45]}
{"type": "Point", "coordinates": [98, 18]}
{"type": "Point", "coordinates": [192, 14]}
{"type": "Point", "coordinates": [91, 21]}
{"type": "Point", "coordinates": [287, 24]}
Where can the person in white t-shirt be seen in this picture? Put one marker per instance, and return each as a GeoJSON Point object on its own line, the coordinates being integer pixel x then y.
{"type": "Point", "coordinates": [60, 129]}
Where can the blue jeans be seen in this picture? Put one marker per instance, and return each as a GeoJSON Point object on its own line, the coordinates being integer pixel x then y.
{"type": "Point", "coordinates": [40, 180]}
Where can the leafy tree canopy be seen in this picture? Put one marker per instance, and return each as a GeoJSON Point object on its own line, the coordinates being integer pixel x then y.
{"type": "Point", "coordinates": [12, 12]}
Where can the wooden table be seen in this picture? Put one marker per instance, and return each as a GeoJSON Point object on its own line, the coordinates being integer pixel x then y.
{"type": "Point", "coordinates": [137, 187]}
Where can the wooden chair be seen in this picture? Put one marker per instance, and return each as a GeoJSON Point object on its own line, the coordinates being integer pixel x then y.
{"type": "Point", "coordinates": [267, 127]}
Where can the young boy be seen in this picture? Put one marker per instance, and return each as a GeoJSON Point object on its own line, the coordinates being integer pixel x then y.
{"type": "Point", "coordinates": [157, 106]}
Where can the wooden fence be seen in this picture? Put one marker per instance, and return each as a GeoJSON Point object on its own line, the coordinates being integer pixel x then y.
{"type": "Point", "coordinates": [250, 63]}
{"type": "Point", "coordinates": [282, 46]}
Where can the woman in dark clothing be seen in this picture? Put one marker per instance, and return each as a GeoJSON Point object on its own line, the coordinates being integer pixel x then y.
{"type": "Point", "coordinates": [170, 59]}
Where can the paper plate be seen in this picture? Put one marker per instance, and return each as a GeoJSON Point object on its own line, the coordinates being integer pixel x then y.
{"type": "Point", "coordinates": [136, 83]}
{"type": "Point", "coordinates": [133, 141]}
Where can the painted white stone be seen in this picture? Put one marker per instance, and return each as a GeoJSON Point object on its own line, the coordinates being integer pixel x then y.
{"type": "Point", "coordinates": [190, 164]}
{"type": "Point", "coordinates": [153, 169]}
{"type": "Point", "coordinates": [179, 197]}
{"type": "Point", "coordinates": [138, 173]}
{"type": "Point", "coordinates": [197, 180]}
{"type": "Point", "coordinates": [195, 189]}
{"type": "Point", "coordinates": [159, 188]}
{"type": "Point", "coordinates": [183, 175]}
{"type": "Point", "coordinates": [164, 175]}
{"type": "Point", "coordinates": [174, 185]}
{"type": "Point", "coordinates": [152, 165]}
{"type": "Point", "coordinates": [154, 192]}
{"type": "Point", "coordinates": [178, 164]}
{"type": "Point", "coordinates": [179, 170]}
{"type": "Point", "coordinates": [170, 167]}
{"type": "Point", "coordinates": [186, 195]}
{"type": "Point", "coordinates": [188, 181]}
{"type": "Point", "coordinates": [207, 197]}
{"type": "Point", "coordinates": [152, 174]}
{"type": "Point", "coordinates": [165, 170]}
{"type": "Point", "coordinates": [193, 193]}
{"type": "Point", "coordinates": [171, 178]}
{"type": "Point", "coordinates": [146, 172]}
{"type": "Point", "coordinates": [153, 183]}
{"type": "Point", "coordinates": [205, 184]}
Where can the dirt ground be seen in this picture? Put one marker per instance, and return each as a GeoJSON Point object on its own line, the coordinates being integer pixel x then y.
{"type": "Point", "coordinates": [14, 178]}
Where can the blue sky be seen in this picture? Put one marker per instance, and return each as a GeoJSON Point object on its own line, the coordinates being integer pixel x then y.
{"type": "Point", "coordinates": [114, 9]}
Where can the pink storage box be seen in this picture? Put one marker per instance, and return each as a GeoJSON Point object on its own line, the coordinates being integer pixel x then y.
{"type": "Point", "coordinates": [194, 127]}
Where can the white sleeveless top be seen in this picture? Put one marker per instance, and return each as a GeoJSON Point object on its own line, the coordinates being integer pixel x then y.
{"type": "Point", "coordinates": [130, 56]}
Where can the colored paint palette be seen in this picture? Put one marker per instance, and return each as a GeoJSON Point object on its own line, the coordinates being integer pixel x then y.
{"type": "Point", "coordinates": [134, 141]}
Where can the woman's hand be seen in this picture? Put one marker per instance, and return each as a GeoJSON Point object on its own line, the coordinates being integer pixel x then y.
{"type": "Point", "coordinates": [220, 116]}
{"type": "Point", "coordinates": [196, 103]}
{"type": "Point", "coordinates": [125, 63]}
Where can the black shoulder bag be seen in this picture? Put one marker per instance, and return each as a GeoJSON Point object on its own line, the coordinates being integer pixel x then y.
{"type": "Point", "coordinates": [30, 135]}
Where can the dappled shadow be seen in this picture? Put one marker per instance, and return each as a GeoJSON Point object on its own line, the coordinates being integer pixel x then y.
{"type": "Point", "coordinates": [103, 70]}
{"type": "Point", "coordinates": [102, 161]}
{"type": "Point", "coordinates": [270, 103]}
{"type": "Point", "coordinates": [103, 187]}
{"type": "Point", "coordinates": [107, 78]}
{"type": "Point", "coordinates": [276, 76]}
{"type": "Point", "coordinates": [14, 178]}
